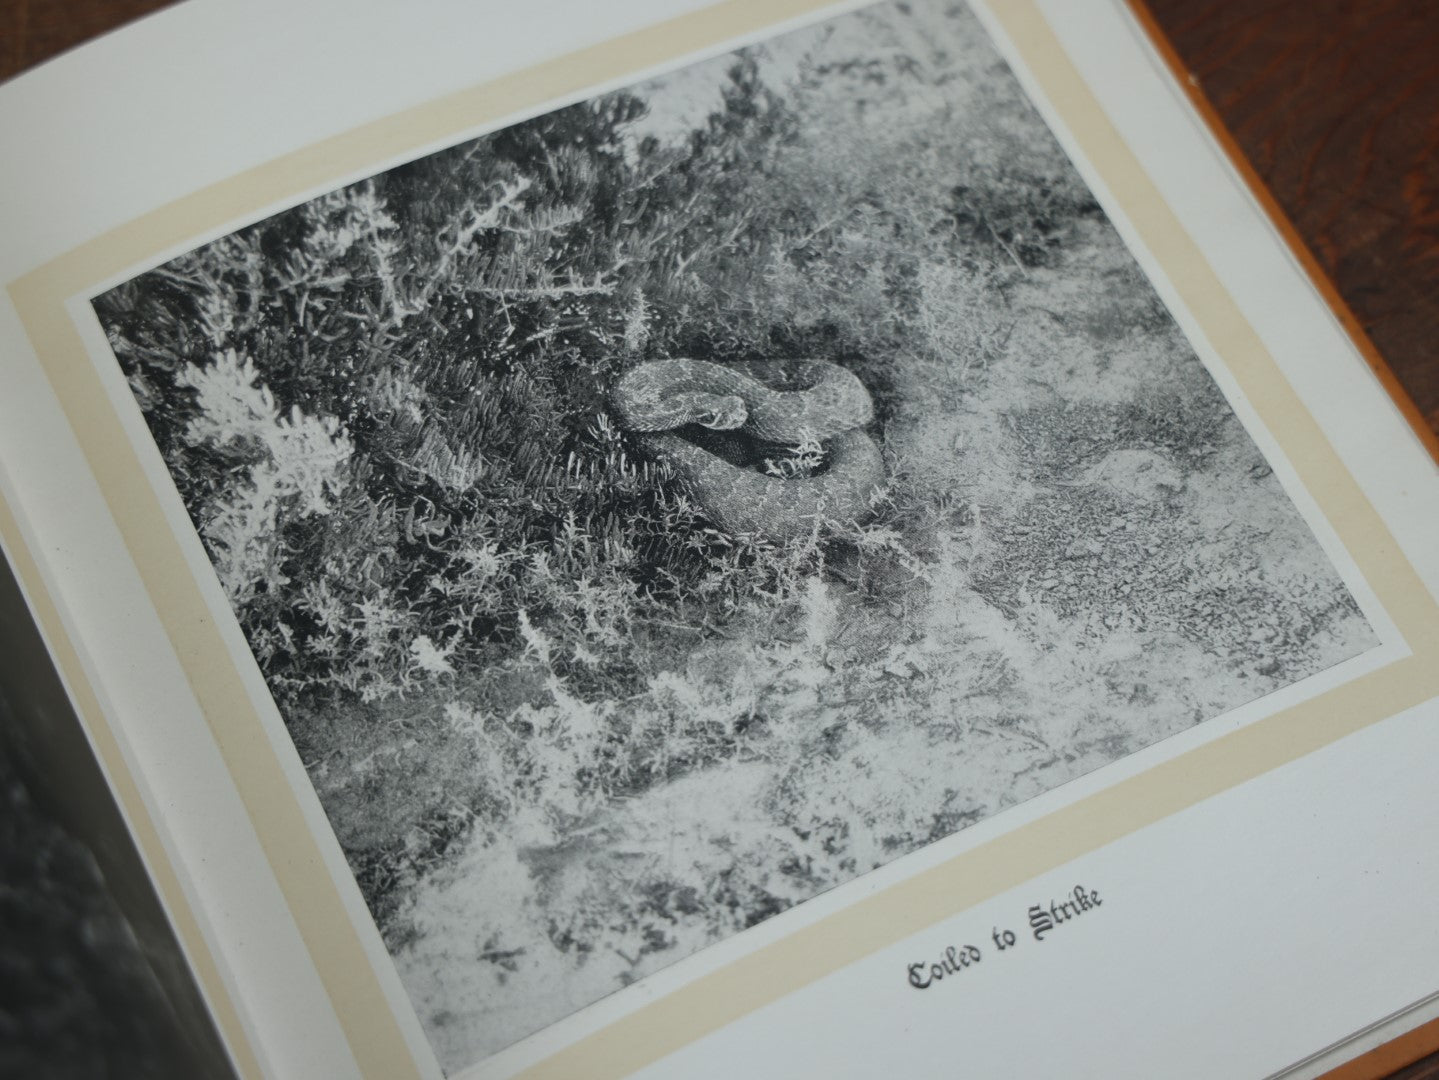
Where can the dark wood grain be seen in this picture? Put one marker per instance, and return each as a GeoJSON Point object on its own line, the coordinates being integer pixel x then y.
{"type": "Point", "coordinates": [1336, 105]}
{"type": "Point", "coordinates": [1428, 1069]}
{"type": "Point", "coordinates": [1334, 102]}
{"type": "Point", "coordinates": [32, 31]}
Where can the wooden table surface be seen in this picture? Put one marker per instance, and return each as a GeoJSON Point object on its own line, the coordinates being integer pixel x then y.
{"type": "Point", "coordinates": [1335, 103]}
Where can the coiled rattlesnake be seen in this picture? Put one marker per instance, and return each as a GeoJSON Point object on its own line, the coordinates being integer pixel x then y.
{"type": "Point", "coordinates": [776, 401]}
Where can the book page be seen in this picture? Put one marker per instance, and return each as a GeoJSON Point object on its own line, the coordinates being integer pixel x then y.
{"type": "Point", "coordinates": [580, 698]}
{"type": "Point", "coordinates": [665, 532]}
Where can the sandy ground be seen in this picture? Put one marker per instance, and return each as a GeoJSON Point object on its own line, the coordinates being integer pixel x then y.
{"type": "Point", "coordinates": [1122, 566]}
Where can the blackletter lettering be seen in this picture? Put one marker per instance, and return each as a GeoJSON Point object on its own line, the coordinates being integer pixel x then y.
{"type": "Point", "coordinates": [1040, 921]}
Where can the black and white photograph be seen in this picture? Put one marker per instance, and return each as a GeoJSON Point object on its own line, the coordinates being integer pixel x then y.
{"type": "Point", "coordinates": [660, 511]}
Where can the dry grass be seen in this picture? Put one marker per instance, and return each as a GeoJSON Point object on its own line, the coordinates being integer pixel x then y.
{"type": "Point", "coordinates": [567, 731]}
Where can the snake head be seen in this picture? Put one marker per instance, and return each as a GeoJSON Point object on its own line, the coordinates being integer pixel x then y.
{"type": "Point", "coordinates": [722, 412]}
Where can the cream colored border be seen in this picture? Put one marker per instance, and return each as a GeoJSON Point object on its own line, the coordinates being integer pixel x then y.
{"type": "Point", "coordinates": [334, 943]}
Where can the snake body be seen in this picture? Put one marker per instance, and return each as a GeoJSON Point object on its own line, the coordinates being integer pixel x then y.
{"type": "Point", "coordinates": [774, 401]}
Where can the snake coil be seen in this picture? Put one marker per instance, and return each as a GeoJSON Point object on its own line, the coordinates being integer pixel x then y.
{"type": "Point", "coordinates": [776, 401]}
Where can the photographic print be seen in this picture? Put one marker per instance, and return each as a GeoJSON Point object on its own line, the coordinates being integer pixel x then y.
{"type": "Point", "coordinates": [657, 512]}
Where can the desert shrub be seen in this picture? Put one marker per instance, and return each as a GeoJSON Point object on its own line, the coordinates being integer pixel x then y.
{"type": "Point", "coordinates": [385, 408]}
{"type": "Point", "coordinates": [386, 411]}
{"type": "Point", "coordinates": [1025, 216]}
{"type": "Point", "coordinates": [506, 642]}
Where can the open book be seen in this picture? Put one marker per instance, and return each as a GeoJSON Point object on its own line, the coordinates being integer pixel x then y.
{"type": "Point", "coordinates": [805, 539]}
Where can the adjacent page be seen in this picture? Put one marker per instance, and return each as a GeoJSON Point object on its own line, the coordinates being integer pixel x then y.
{"type": "Point", "coordinates": [662, 564]}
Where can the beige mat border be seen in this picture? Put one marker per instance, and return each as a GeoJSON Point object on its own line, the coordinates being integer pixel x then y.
{"type": "Point", "coordinates": [313, 894]}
